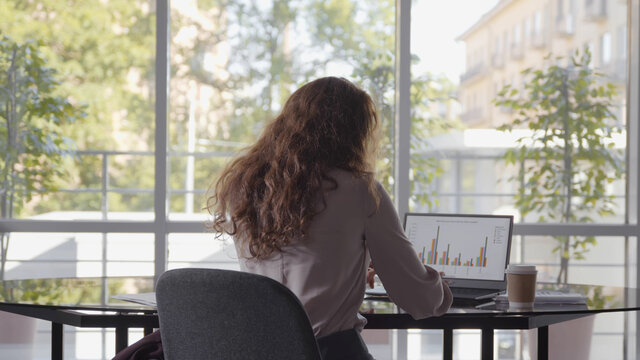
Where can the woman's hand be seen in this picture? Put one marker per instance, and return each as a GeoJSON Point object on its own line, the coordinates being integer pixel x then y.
{"type": "Point", "coordinates": [443, 280]}
{"type": "Point", "coordinates": [370, 274]}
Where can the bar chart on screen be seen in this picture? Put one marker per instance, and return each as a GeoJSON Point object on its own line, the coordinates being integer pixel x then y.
{"type": "Point", "coordinates": [461, 247]}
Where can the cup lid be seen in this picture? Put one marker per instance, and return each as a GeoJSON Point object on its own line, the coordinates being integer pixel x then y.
{"type": "Point", "coordinates": [521, 269]}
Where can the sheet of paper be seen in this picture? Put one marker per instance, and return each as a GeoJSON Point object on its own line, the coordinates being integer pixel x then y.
{"type": "Point", "coordinates": [148, 299]}
{"type": "Point", "coordinates": [551, 296]}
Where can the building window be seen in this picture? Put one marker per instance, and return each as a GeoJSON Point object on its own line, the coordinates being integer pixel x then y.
{"type": "Point", "coordinates": [506, 42]}
{"type": "Point", "coordinates": [516, 35]}
{"type": "Point", "coordinates": [559, 10]}
{"type": "Point", "coordinates": [605, 49]}
{"type": "Point", "coordinates": [537, 23]}
{"type": "Point", "coordinates": [622, 42]}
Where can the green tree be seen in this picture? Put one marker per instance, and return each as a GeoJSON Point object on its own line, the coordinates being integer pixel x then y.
{"type": "Point", "coordinates": [32, 121]}
{"type": "Point", "coordinates": [104, 54]}
{"type": "Point", "coordinates": [266, 63]}
{"type": "Point", "coordinates": [256, 76]}
{"type": "Point", "coordinates": [105, 57]}
{"type": "Point", "coordinates": [569, 158]}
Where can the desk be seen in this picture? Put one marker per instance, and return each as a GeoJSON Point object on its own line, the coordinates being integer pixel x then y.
{"type": "Point", "coordinates": [80, 302]}
{"type": "Point", "coordinates": [87, 302]}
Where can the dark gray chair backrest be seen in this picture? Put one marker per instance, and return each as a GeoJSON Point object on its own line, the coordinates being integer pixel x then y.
{"type": "Point", "coordinates": [223, 314]}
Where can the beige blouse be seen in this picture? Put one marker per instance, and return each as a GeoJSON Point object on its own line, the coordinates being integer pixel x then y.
{"type": "Point", "coordinates": [327, 268]}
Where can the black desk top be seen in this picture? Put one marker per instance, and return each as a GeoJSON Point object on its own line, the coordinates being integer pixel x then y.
{"type": "Point", "coordinates": [96, 294]}
{"type": "Point", "coordinates": [87, 302]}
{"type": "Point", "coordinates": [598, 299]}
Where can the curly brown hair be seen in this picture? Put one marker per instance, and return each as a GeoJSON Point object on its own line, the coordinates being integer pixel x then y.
{"type": "Point", "coordinates": [270, 194]}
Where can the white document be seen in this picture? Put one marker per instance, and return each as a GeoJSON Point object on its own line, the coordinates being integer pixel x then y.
{"type": "Point", "coordinates": [551, 297]}
{"type": "Point", "coordinates": [147, 299]}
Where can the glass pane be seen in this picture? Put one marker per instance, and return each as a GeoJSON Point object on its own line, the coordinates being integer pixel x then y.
{"type": "Point", "coordinates": [85, 71]}
{"type": "Point", "coordinates": [489, 136]}
{"type": "Point", "coordinates": [600, 337]}
{"type": "Point", "coordinates": [36, 255]}
{"type": "Point", "coordinates": [190, 181]}
{"type": "Point", "coordinates": [233, 66]}
{"type": "Point", "coordinates": [600, 263]}
{"type": "Point", "coordinates": [201, 250]}
{"type": "Point", "coordinates": [79, 343]}
{"type": "Point", "coordinates": [46, 255]}
{"type": "Point", "coordinates": [131, 171]}
{"type": "Point", "coordinates": [129, 254]}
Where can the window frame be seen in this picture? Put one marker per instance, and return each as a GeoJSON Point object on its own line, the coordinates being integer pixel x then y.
{"type": "Point", "coordinates": [162, 226]}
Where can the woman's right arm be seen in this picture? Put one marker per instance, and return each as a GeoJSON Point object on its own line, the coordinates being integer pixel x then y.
{"type": "Point", "coordinates": [416, 288]}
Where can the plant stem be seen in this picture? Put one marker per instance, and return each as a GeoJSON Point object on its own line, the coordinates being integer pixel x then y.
{"type": "Point", "coordinates": [567, 178]}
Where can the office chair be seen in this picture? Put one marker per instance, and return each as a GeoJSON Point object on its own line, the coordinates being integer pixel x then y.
{"type": "Point", "coordinates": [222, 314]}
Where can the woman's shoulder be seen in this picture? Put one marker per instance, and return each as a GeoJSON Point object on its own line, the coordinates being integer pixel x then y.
{"type": "Point", "coordinates": [350, 185]}
{"type": "Point", "coordinates": [348, 180]}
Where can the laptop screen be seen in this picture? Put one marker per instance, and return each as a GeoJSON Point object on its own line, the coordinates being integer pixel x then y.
{"type": "Point", "coordinates": [473, 247]}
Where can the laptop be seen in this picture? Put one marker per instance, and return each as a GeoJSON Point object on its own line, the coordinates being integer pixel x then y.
{"type": "Point", "coordinates": [472, 250]}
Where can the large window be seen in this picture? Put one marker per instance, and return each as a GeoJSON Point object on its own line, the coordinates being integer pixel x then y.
{"type": "Point", "coordinates": [489, 133]}
{"type": "Point", "coordinates": [233, 66]}
{"type": "Point", "coordinates": [110, 172]}
{"type": "Point", "coordinates": [90, 154]}
{"type": "Point", "coordinates": [486, 140]}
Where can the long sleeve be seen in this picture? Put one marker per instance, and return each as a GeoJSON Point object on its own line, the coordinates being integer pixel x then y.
{"type": "Point", "coordinates": [415, 288]}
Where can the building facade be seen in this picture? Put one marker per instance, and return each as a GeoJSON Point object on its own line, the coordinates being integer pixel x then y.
{"type": "Point", "coordinates": [520, 34]}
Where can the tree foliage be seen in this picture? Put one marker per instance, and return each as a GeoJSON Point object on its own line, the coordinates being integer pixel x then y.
{"type": "Point", "coordinates": [431, 98]}
{"type": "Point", "coordinates": [32, 121]}
{"type": "Point", "coordinates": [250, 55]}
{"type": "Point", "coordinates": [103, 52]}
{"type": "Point", "coordinates": [568, 160]}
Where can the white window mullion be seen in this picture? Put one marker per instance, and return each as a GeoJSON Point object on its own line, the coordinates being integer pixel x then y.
{"type": "Point", "coordinates": [402, 125]}
{"type": "Point", "coordinates": [633, 112]}
{"type": "Point", "coordinates": [633, 160]}
{"type": "Point", "coordinates": [111, 226]}
{"type": "Point", "coordinates": [402, 130]}
{"type": "Point", "coordinates": [162, 90]}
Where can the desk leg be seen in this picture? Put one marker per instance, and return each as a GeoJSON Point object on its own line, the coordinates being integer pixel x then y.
{"type": "Point", "coordinates": [122, 338]}
{"type": "Point", "coordinates": [147, 331]}
{"type": "Point", "coordinates": [57, 341]}
{"type": "Point", "coordinates": [447, 344]}
{"type": "Point", "coordinates": [487, 344]}
{"type": "Point", "coordinates": [543, 343]}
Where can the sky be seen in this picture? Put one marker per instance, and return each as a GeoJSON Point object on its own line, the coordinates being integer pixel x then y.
{"type": "Point", "coordinates": [435, 24]}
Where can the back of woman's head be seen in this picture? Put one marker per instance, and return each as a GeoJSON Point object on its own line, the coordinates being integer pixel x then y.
{"type": "Point", "coordinates": [269, 194]}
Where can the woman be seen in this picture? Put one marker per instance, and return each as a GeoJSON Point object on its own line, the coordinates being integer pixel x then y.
{"type": "Point", "coordinates": [305, 210]}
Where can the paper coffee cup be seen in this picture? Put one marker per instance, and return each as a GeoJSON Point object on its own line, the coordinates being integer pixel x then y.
{"type": "Point", "coordinates": [521, 285]}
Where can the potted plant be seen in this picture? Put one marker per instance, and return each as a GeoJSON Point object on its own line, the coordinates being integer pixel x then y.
{"type": "Point", "coordinates": [568, 160]}
{"type": "Point", "coordinates": [565, 164]}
